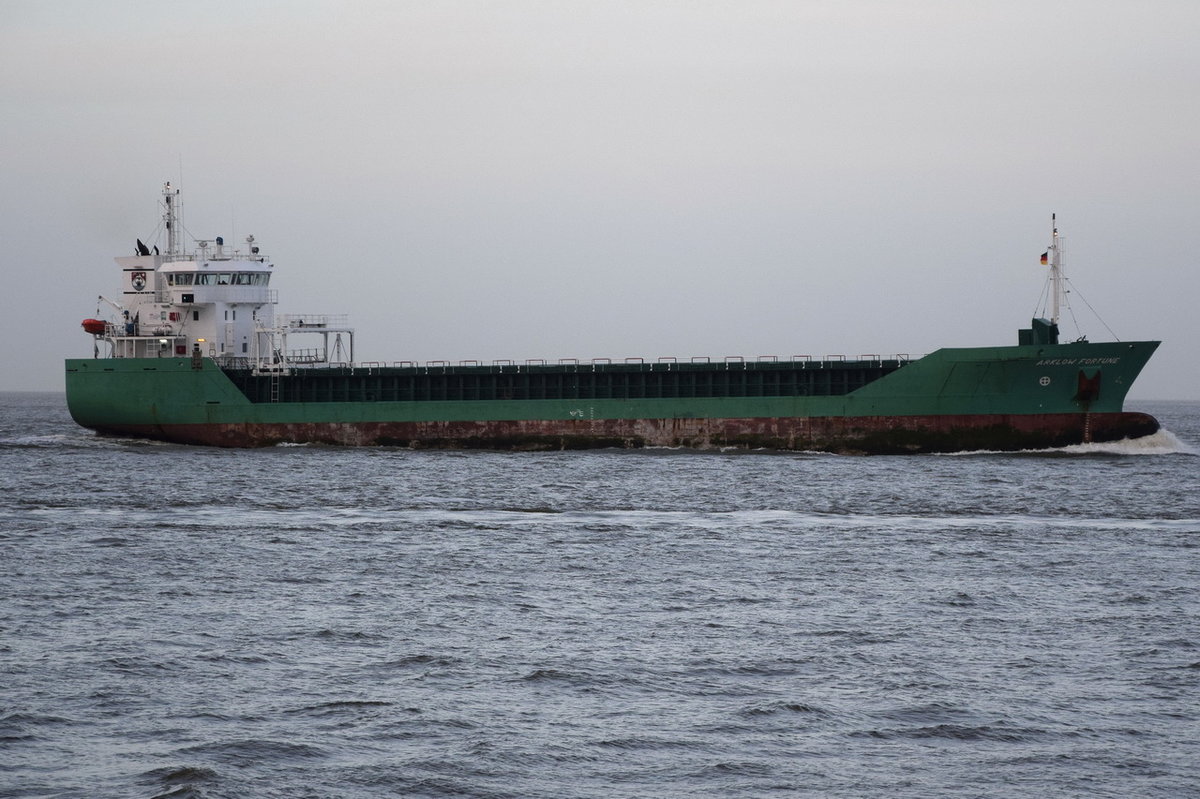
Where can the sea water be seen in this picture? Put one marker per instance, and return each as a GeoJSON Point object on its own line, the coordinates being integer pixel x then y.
{"type": "Point", "coordinates": [325, 622]}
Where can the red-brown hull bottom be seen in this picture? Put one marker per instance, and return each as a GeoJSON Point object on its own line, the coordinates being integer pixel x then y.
{"type": "Point", "coordinates": [850, 435]}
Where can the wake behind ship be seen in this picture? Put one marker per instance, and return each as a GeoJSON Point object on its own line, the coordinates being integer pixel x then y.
{"type": "Point", "coordinates": [194, 353]}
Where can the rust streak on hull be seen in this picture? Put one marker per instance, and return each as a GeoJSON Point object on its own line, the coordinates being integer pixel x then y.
{"type": "Point", "coordinates": [851, 435]}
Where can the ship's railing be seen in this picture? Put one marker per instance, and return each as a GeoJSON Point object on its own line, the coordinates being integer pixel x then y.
{"type": "Point", "coordinates": [233, 361]}
{"type": "Point", "coordinates": [307, 356]}
{"type": "Point", "coordinates": [313, 321]}
{"type": "Point", "coordinates": [229, 253]}
{"type": "Point", "coordinates": [637, 364]}
{"type": "Point", "coordinates": [131, 331]}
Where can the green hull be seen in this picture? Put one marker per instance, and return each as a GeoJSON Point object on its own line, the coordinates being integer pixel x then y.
{"type": "Point", "coordinates": [1068, 391]}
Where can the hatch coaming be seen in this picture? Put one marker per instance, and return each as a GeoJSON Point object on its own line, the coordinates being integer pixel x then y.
{"type": "Point", "coordinates": [567, 381]}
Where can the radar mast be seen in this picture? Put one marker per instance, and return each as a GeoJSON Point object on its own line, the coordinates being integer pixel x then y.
{"type": "Point", "coordinates": [172, 219]}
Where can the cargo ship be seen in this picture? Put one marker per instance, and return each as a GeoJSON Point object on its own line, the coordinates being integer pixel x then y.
{"type": "Point", "coordinates": [194, 352]}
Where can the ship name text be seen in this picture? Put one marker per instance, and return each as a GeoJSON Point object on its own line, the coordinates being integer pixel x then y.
{"type": "Point", "coordinates": [1078, 361]}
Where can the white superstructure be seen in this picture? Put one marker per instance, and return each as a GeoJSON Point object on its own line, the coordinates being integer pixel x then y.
{"type": "Point", "coordinates": [213, 302]}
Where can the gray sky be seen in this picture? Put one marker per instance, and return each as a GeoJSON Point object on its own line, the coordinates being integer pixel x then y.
{"type": "Point", "coordinates": [610, 179]}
